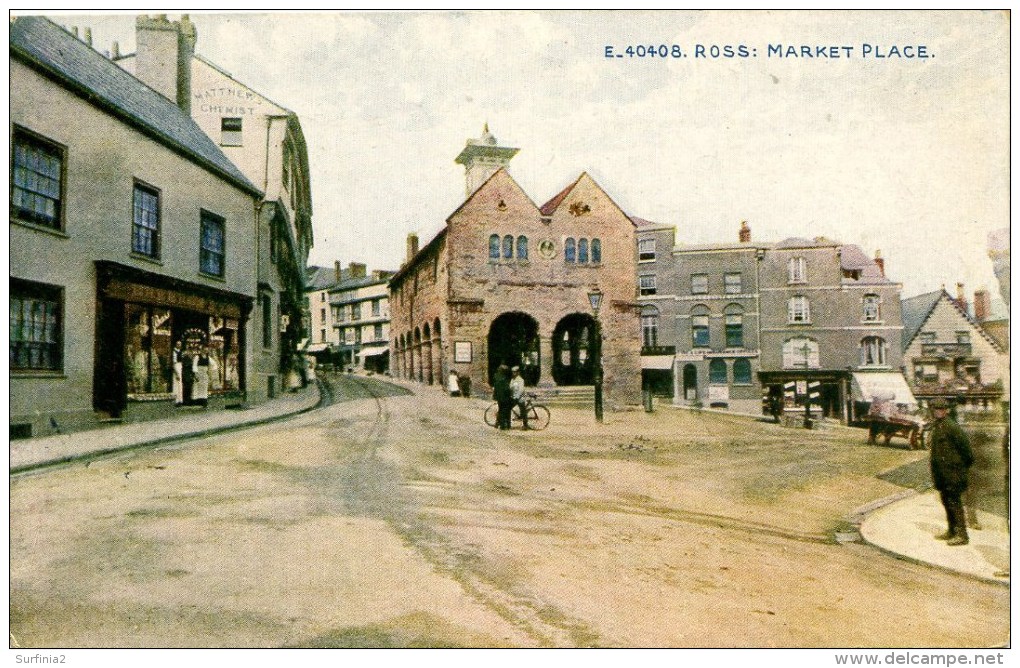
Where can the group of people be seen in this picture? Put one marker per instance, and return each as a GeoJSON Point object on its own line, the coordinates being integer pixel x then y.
{"type": "Point", "coordinates": [508, 391]}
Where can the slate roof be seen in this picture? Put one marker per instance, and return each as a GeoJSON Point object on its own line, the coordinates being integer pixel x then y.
{"type": "Point", "coordinates": [45, 46]}
{"type": "Point", "coordinates": [320, 278]}
{"type": "Point", "coordinates": [915, 311]}
{"type": "Point", "coordinates": [851, 257]}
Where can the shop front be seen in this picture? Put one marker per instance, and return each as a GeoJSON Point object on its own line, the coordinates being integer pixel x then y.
{"type": "Point", "coordinates": [160, 339]}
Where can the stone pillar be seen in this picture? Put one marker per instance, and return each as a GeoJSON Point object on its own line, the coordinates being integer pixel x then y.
{"type": "Point", "coordinates": [545, 361]}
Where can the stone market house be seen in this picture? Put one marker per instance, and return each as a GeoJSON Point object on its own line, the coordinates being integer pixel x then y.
{"type": "Point", "coordinates": [507, 282]}
{"type": "Point", "coordinates": [130, 231]}
{"type": "Point", "coordinates": [265, 141]}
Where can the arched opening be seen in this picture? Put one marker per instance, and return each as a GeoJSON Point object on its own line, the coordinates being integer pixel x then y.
{"type": "Point", "coordinates": [513, 340]}
{"type": "Point", "coordinates": [426, 354]}
{"type": "Point", "coordinates": [416, 365]}
{"type": "Point", "coordinates": [573, 344]}
{"type": "Point", "coordinates": [437, 352]}
{"type": "Point", "coordinates": [690, 383]}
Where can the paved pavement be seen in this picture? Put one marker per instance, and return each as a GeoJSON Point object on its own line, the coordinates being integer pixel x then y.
{"type": "Point", "coordinates": [906, 525]}
{"type": "Point", "coordinates": [903, 525]}
{"type": "Point", "coordinates": [192, 422]}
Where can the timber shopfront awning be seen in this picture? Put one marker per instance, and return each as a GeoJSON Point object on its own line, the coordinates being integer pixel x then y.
{"type": "Point", "coordinates": [656, 361]}
{"type": "Point", "coordinates": [887, 385]}
{"type": "Point", "coordinates": [373, 351]}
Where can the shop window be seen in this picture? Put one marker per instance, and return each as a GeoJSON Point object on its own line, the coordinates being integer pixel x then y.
{"type": "Point", "coordinates": [148, 349]}
{"type": "Point", "coordinates": [145, 225]}
{"type": "Point", "coordinates": [596, 251]}
{"type": "Point", "coordinates": [212, 258]}
{"type": "Point", "coordinates": [570, 250]}
{"type": "Point", "coordinates": [717, 372]}
{"type": "Point", "coordinates": [732, 284]}
{"type": "Point", "coordinates": [36, 180]}
{"type": "Point", "coordinates": [522, 247]}
{"type": "Point", "coordinates": [872, 308]}
{"type": "Point", "coordinates": [223, 354]}
{"type": "Point", "coordinates": [494, 247]}
{"type": "Point", "coordinates": [873, 351]}
{"type": "Point", "coordinates": [647, 285]}
{"type": "Point", "coordinates": [646, 250]}
{"type": "Point", "coordinates": [36, 327]}
{"type": "Point", "coordinates": [741, 372]}
{"type": "Point", "coordinates": [699, 284]}
{"type": "Point", "coordinates": [230, 132]}
{"type": "Point", "coordinates": [799, 310]}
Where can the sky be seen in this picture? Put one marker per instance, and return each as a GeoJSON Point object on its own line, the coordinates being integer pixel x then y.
{"type": "Point", "coordinates": [909, 156]}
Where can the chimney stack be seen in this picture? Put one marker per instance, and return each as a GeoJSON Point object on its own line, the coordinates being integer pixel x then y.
{"type": "Point", "coordinates": [88, 36]}
{"type": "Point", "coordinates": [880, 261]}
{"type": "Point", "coordinates": [745, 233]}
{"type": "Point", "coordinates": [412, 246]}
{"type": "Point", "coordinates": [339, 271]}
{"type": "Point", "coordinates": [357, 270]}
{"type": "Point", "coordinates": [115, 51]}
{"type": "Point", "coordinates": [961, 298]}
{"type": "Point", "coordinates": [163, 55]}
{"type": "Point", "coordinates": [982, 305]}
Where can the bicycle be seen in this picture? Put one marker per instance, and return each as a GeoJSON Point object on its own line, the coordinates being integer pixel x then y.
{"type": "Point", "coordinates": [538, 415]}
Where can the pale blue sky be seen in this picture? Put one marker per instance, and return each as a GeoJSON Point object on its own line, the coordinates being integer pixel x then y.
{"type": "Point", "coordinates": [908, 156]}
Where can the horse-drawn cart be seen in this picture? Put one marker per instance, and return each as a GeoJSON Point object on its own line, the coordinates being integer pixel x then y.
{"type": "Point", "coordinates": [886, 420]}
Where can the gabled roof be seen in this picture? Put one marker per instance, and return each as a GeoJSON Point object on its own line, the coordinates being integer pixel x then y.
{"type": "Point", "coordinates": [915, 311]}
{"type": "Point", "coordinates": [48, 48]}
{"type": "Point", "coordinates": [549, 207]}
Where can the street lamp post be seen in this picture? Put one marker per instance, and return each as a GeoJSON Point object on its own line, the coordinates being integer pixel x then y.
{"type": "Point", "coordinates": [595, 299]}
{"type": "Point", "coordinates": [807, 384]}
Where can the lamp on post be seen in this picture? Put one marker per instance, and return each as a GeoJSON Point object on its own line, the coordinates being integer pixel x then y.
{"type": "Point", "coordinates": [595, 299]}
{"type": "Point", "coordinates": [806, 349]}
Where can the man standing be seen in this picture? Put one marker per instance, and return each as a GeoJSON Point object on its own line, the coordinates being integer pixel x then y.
{"type": "Point", "coordinates": [517, 392]}
{"type": "Point", "coordinates": [951, 456]}
{"type": "Point", "coordinates": [501, 394]}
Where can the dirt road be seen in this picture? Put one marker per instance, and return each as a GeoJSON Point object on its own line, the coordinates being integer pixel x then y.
{"type": "Point", "coordinates": [405, 521]}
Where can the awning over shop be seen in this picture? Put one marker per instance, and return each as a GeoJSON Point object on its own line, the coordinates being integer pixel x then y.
{"type": "Point", "coordinates": [656, 361]}
{"type": "Point", "coordinates": [891, 385]}
{"type": "Point", "coordinates": [372, 351]}
{"type": "Point", "coordinates": [317, 348]}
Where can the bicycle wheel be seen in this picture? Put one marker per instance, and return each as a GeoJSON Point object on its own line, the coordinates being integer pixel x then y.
{"type": "Point", "coordinates": [492, 415]}
{"type": "Point", "coordinates": [538, 417]}
{"type": "Point", "coordinates": [515, 414]}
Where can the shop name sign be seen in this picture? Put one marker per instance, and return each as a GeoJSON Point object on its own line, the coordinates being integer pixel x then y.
{"type": "Point", "coordinates": [227, 100]}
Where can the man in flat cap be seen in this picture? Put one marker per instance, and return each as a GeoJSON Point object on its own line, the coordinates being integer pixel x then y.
{"type": "Point", "coordinates": [951, 456]}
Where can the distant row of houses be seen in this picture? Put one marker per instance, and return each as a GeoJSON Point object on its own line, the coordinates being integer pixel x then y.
{"type": "Point", "coordinates": [159, 231]}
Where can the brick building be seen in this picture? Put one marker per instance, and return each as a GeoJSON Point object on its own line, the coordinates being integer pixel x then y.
{"type": "Point", "coordinates": [506, 281]}
{"type": "Point", "coordinates": [724, 323]}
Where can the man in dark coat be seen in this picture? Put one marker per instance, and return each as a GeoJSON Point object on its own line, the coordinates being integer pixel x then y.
{"type": "Point", "coordinates": [951, 456]}
{"type": "Point", "coordinates": [501, 394]}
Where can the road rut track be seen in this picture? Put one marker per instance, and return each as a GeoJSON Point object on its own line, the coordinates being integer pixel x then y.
{"type": "Point", "coordinates": [546, 625]}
